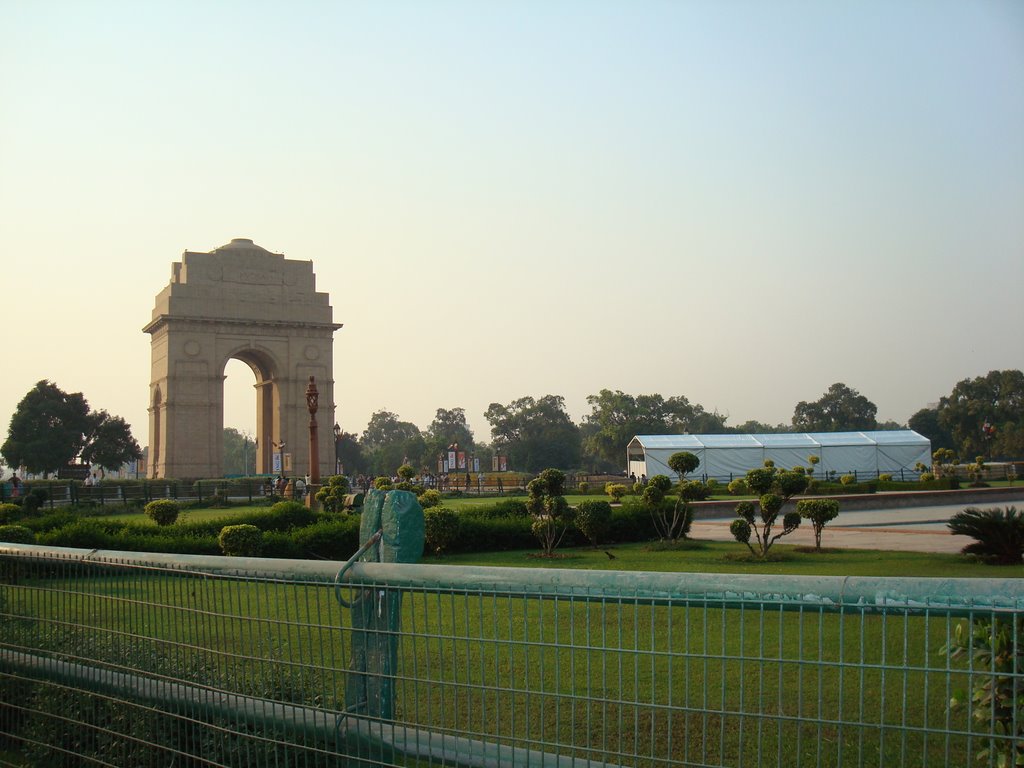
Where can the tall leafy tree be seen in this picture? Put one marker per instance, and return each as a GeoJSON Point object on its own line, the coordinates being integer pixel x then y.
{"type": "Point", "coordinates": [239, 453]}
{"type": "Point", "coordinates": [449, 426]}
{"type": "Point", "coordinates": [535, 434]}
{"type": "Point", "coordinates": [616, 417]}
{"type": "Point", "coordinates": [985, 415]}
{"type": "Point", "coordinates": [926, 422]}
{"type": "Point", "coordinates": [389, 442]}
{"type": "Point", "coordinates": [51, 428]}
{"type": "Point", "coordinates": [840, 409]}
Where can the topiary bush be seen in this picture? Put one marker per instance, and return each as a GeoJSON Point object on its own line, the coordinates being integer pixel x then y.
{"type": "Point", "coordinates": [885, 477]}
{"type": "Point", "coordinates": [382, 483]}
{"type": "Point", "coordinates": [551, 513]}
{"type": "Point", "coordinates": [240, 540]}
{"type": "Point", "coordinates": [661, 482]}
{"type": "Point", "coordinates": [163, 511]}
{"type": "Point", "coordinates": [847, 479]}
{"type": "Point", "coordinates": [616, 491]}
{"type": "Point", "coordinates": [440, 528]}
{"type": "Point", "coordinates": [291, 514]}
{"type": "Point", "coordinates": [429, 498]}
{"type": "Point", "coordinates": [583, 488]}
{"type": "Point", "coordinates": [592, 519]}
{"type": "Point", "coordinates": [998, 535]}
{"type": "Point", "coordinates": [819, 512]}
{"type": "Point", "coordinates": [9, 512]}
{"type": "Point", "coordinates": [332, 495]}
{"type": "Point", "coordinates": [17, 534]}
{"type": "Point", "coordinates": [750, 523]}
{"type": "Point", "coordinates": [738, 487]}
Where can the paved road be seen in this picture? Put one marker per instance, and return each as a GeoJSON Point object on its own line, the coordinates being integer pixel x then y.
{"type": "Point", "coordinates": [912, 529]}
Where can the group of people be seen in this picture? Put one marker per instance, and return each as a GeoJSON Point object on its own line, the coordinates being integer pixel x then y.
{"type": "Point", "coordinates": [284, 486]}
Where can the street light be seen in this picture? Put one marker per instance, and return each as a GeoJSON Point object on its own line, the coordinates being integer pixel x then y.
{"type": "Point", "coordinates": [337, 449]}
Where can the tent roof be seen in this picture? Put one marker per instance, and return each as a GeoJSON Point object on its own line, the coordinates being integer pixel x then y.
{"type": "Point", "coordinates": [779, 440]}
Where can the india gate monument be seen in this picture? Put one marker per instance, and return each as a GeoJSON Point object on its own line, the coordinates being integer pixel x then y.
{"type": "Point", "coordinates": [242, 302]}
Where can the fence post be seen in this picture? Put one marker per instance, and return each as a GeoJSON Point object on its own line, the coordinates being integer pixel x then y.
{"type": "Point", "coordinates": [376, 611]}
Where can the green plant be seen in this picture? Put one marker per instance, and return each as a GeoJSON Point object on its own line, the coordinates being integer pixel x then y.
{"type": "Point", "coordinates": [331, 495]}
{"type": "Point", "coordinates": [291, 514]}
{"type": "Point", "coordinates": [813, 460]}
{"type": "Point", "coordinates": [583, 488]}
{"type": "Point", "coordinates": [593, 519]}
{"type": "Point", "coordinates": [693, 490]}
{"type": "Point", "coordinates": [163, 511]}
{"type": "Point", "coordinates": [759, 523]}
{"type": "Point", "coordinates": [637, 488]}
{"type": "Point", "coordinates": [382, 483]}
{"type": "Point", "coordinates": [819, 512]}
{"type": "Point", "coordinates": [926, 477]}
{"type": "Point", "coordinates": [429, 498]}
{"type": "Point", "coordinates": [9, 512]}
{"type": "Point", "coordinates": [996, 648]}
{"type": "Point", "coordinates": [17, 534]}
{"type": "Point", "coordinates": [241, 540]}
{"type": "Point", "coordinates": [683, 463]}
{"type": "Point", "coordinates": [738, 487]}
{"type": "Point", "coordinates": [671, 520]}
{"type": "Point", "coordinates": [847, 479]}
{"type": "Point", "coordinates": [661, 482]}
{"type": "Point", "coordinates": [441, 528]}
{"type": "Point", "coordinates": [885, 477]}
{"type": "Point", "coordinates": [406, 472]}
{"type": "Point", "coordinates": [998, 535]}
{"type": "Point", "coordinates": [616, 491]}
{"type": "Point", "coordinates": [551, 513]}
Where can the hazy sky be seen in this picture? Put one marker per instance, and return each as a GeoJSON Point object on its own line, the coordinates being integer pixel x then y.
{"type": "Point", "coordinates": [740, 202]}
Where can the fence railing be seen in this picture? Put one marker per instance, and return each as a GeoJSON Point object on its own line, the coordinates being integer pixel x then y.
{"type": "Point", "coordinates": [134, 659]}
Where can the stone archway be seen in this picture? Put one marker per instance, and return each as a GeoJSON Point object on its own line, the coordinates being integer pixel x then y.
{"type": "Point", "coordinates": [242, 302]}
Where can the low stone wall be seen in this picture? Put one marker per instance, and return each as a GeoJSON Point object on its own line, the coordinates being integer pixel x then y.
{"type": "Point", "coordinates": [983, 497]}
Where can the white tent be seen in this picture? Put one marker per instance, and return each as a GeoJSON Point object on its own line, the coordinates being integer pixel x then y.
{"type": "Point", "coordinates": [867, 454]}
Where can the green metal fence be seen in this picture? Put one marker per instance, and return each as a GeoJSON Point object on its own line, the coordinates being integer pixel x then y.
{"type": "Point", "coordinates": [134, 659]}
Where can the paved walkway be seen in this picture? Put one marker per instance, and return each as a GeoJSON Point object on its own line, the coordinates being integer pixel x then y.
{"type": "Point", "coordinates": [915, 529]}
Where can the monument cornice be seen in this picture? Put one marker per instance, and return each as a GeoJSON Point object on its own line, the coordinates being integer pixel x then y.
{"type": "Point", "coordinates": [154, 325]}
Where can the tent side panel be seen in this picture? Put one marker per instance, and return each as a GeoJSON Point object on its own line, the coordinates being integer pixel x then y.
{"type": "Point", "coordinates": [844, 459]}
{"type": "Point", "coordinates": [787, 458]}
{"type": "Point", "coordinates": [722, 463]}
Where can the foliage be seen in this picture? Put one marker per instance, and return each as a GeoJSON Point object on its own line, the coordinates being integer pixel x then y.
{"type": "Point", "coordinates": [239, 453]}
{"type": "Point", "coordinates": [637, 488]}
{"type": "Point", "coordinates": [683, 463]}
{"type": "Point", "coordinates": [348, 453]}
{"type": "Point", "coordinates": [448, 427]}
{"type": "Point", "coordinates": [840, 409]}
{"type": "Point", "coordinates": [331, 495]}
{"type": "Point", "coordinates": [163, 511]}
{"type": "Point", "coordinates": [998, 535]}
{"type": "Point", "coordinates": [441, 528]}
{"type": "Point", "coordinates": [885, 477]}
{"type": "Point", "coordinates": [51, 428]}
{"type": "Point", "coordinates": [9, 512]}
{"type": "Point", "coordinates": [382, 483]}
{"type": "Point", "coordinates": [583, 488]}
{"type": "Point", "coordinates": [738, 487]}
{"type": "Point", "coordinates": [847, 479]}
{"type": "Point", "coordinates": [535, 433]}
{"type": "Point", "coordinates": [996, 399]}
{"type": "Point", "coordinates": [661, 482]}
{"type": "Point", "coordinates": [616, 491]}
{"type": "Point", "coordinates": [593, 519]}
{"type": "Point", "coordinates": [551, 513]}
{"type": "Point", "coordinates": [388, 442]}
{"type": "Point", "coordinates": [814, 459]}
{"type": "Point", "coordinates": [926, 477]}
{"type": "Point", "coordinates": [406, 472]}
{"type": "Point", "coordinates": [671, 519]}
{"type": "Point", "coordinates": [291, 514]}
{"type": "Point", "coordinates": [694, 490]}
{"type": "Point", "coordinates": [996, 650]}
{"type": "Point", "coordinates": [429, 498]}
{"type": "Point", "coordinates": [926, 423]}
{"type": "Point", "coordinates": [760, 523]}
{"type": "Point", "coordinates": [616, 417]}
{"type": "Point", "coordinates": [17, 534]}
{"type": "Point", "coordinates": [761, 480]}
{"type": "Point", "coordinates": [819, 512]}
{"type": "Point", "coordinates": [240, 540]}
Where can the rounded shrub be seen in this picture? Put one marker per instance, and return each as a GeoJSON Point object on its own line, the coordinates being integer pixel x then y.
{"type": "Point", "coordinates": [661, 482]}
{"type": "Point", "coordinates": [17, 534]}
{"type": "Point", "coordinates": [291, 514]}
{"type": "Point", "coordinates": [163, 511]}
{"type": "Point", "coordinates": [593, 519]}
{"type": "Point", "coordinates": [240, 540]}
{"type": "Point", "coordinates": [847, 479]}
{"type": "Point", "coordinates": [738, 487]}
{"type": "Point", "coordinates": [583, 488]}
{"type": "Point", "coordinates": [616, 491]}
{"type": "Point", "coordinates": [440, 528]}
{"type": "Point", "coordinates": [9, 512]}
{"type": "Point", "coordinates": [885, 477]}
{"type": "Point", "coordinates": [382, 483]}
{"type": "Point", "coordinates": [926, 477]}
{"type": "Point", "coordinates": [430, 498]}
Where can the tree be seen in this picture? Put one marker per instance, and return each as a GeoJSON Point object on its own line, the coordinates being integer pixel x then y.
{"type": "Point", "coordinates": [683, 463]}
{"type": "Point", "coordinates": [984, 415]}
{"type": "Point", "coordinates": [819, 512]}
{"type": "Point", "coordinates": [51, 428]}
{"type": "Point", "coordinates": [753, 427]}
{"type": "Point", "coordinates": [535, 433]}
{"type": "Point", "coordinates": [551, 513]}
{"type": "Point", "coordinates": [349, 453]}
{"type": "Point", "coordinates": [775, 488]}
{"type": "Point", "coordinates": [840, 409]}
{"type": "Point", "coordinates": [448, 427]}
{"type": "Point", "coordinates": [239, 453]}
{"type": "Point", "coordinates": [926, 423]}
{"type": "Point", "coordinates": [389, 442]}
{"type": "Point", "coordinates": [616, 417]}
